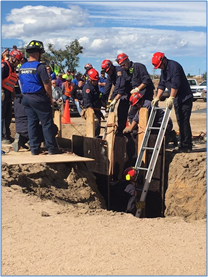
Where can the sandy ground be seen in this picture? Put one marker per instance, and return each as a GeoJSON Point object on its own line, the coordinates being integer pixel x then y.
{"type": "Point", "coordinates": [50, 237]}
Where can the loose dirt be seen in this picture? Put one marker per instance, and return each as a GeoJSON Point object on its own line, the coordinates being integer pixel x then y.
{"type": "Point", "coordinates": [55, 221]}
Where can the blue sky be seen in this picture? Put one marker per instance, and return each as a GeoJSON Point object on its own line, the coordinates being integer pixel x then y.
{"type": "Point", "coordinates": [105, 29]}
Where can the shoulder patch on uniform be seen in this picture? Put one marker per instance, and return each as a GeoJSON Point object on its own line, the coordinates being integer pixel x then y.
{"type": "Point", "coordinates": [2, 65]}
{"type": "Point", "coordinates": [119, 73]}
{"type": "Point", "coordinates": [87, 90]}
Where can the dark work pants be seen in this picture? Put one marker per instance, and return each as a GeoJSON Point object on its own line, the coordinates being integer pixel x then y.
{"type": "Point", "coordinates": [6, 116]}
{"type": "Point", "coordinates": [97, 123]}
{"type": "Point", "coordinates": [183, 114]}
{"type": "Point", "coordinates": [122, 114]}
{"type": "Point", "coordinates": [39, 112]}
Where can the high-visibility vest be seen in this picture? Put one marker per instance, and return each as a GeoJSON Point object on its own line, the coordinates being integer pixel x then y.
{"type": "Point", "coordinates": [10, 82]}
{"type": "Point", "coordinates": [55, 69]}
{"type": "Point", "coordinates": [29, 77]}
{"type": "Point", "coordinates": [68, 89]}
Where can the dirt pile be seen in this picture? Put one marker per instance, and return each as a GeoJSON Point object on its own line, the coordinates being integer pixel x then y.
{"type": "Point", "coordinates": [73, 185]}
{"type": "Point", "coordinates": [63, 183]}
{"type": "Point", "coordinates": [186, 193]}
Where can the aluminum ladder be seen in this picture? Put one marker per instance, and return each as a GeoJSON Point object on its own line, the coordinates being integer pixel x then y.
{"type": "Point", "coordinates": [155, 153]}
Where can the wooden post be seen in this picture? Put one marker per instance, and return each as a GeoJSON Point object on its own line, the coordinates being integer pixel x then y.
{"type": "Point", "coordinates": [57, 121]}
{"type": "Point", "coordinates": [90, 123]}
{"type": "Point", "coordinates": [110, 137]}
{"type": "Point", "coordinates": [143, 119]}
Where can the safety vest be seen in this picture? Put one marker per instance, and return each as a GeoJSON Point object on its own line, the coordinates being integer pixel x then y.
{"type": "Point", "coordinates": [10, 82]}
{"type": "Point", "coordinates": [29, 78]}
{"type": "Point", "coordinates": [55, 69]}
{"type": "Point", "coordinates": [68, 89]}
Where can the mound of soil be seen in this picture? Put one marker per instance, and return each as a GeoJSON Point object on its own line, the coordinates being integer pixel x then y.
{"type": "Point", "coordinates": [186, 193]}
{"type": "Point", "coordinates": [62, 183]}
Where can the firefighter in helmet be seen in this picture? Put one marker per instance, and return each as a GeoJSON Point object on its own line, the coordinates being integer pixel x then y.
{"type": "Point", "coordinates": [92, 98]}
{"type": "Point", "coordinates": [37, 99]}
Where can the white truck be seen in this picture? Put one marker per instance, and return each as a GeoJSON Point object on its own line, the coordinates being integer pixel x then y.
{"type": "Point", "coordinates": [197, 90]}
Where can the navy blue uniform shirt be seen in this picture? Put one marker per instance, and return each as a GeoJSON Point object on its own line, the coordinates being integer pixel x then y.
{"type": "Point", "coordinates": [174, 77]}
{"type": "Point", "coordinates": [122, 85]}
{"type": "Point", "coordinates": [140, 75]}
{"type": "Point", "coordinates": [91, 96]}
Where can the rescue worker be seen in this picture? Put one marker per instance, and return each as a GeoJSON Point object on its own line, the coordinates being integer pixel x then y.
{"type": "Point", "coordinates": [87, 67]}
{"type": "Point", "coordinates": [9, 79]}
{"type": "Point", "coordinates": [137, 100]}
{"type": "Point", "coordinates": [140, 80]}
{"type": "Point", "coordinates": [123, 193]}
{"type": "Point", "coordinates": [119, 100]}
{"type": "Point", "coordinates": [174, 78]}
{"type": "Point", "coordinates": [37, 99]}
{"type": "Point", "coordinates": [91, 97]}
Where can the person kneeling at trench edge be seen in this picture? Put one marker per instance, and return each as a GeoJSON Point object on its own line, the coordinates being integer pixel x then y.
{"type": "Point", "coordinates": [137, 100]}
{"type": "Point", "coordinates": [123, 193]}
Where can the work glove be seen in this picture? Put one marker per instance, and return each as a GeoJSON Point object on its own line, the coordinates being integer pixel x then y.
{"type": "Point", "coordinates": [2, 95]}
{"type": "Point", "coordinates": [155, 101]}
{"type": "Point", "coordinates": [108, 106]}
{"type": "Point", "coordinates": [112, 104]}
{"type": "Point", "coordinates": [169, 102]}
{"type": "Point", "coordinates": [127, 130]}
{"type": "Point", "coordinates": [134, 90]}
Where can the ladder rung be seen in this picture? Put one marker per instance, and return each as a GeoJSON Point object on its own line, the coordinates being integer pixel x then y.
{"type": "Point", "coordinates": [154, 128]}
{"type": "Point", "coordinates": [142, 168]}
{"type": "Point", "coordinates": [147, 148]}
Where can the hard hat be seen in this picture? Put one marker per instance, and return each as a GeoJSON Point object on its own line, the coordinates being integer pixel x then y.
{"type": "Point", "coordinates": [34, 46]}
{"type": "Point", "coordinates": [121, 58]}
{"type": "Point", "coordinates": [88, 66]}
{"type": "Point", "coordinates": [93, 74]}
{"type": "Point", "coordinates": [130, 173]}
{"type": "Point", "coordinates": [135, 97]}
{"type": "Point", "coordinates": [18, 55]}
{"type": "Point", "coordinates": [157, 59]}
{"type": "Point", "coordinates": [106, 65]}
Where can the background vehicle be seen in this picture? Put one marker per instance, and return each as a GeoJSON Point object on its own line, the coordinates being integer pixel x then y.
{"type": "Point", "coordinates": [197, 90]}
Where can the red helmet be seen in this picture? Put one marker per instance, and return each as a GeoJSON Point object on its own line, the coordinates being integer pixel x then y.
{"type": "Point", "coordinates": [106, 65]}
{"type": "Point", "coordinates": [157, 59]}
{"type": "Point", "coordinates": [135, 97]}
{"type": "Point", "coordinates": [130, 173]}
{"type": "Point", "coordinates": [121, 58]}
{"type": "Point", "coordinates": [16, 54]}
{"type": "Point", "coordinates": [93, 74]}
{"type": "Point", "coordinates": [88, 66]}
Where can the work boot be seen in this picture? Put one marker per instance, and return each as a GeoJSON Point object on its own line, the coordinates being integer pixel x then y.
{"type": "Point", "coordinates": [55, 151]}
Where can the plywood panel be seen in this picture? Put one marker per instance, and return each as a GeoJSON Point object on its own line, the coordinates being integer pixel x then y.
{"type": "Point", "coordinates": [27, 158]}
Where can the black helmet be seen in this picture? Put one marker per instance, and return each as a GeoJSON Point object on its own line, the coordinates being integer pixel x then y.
{"type": "Point", "coordinates": [35, 45]}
